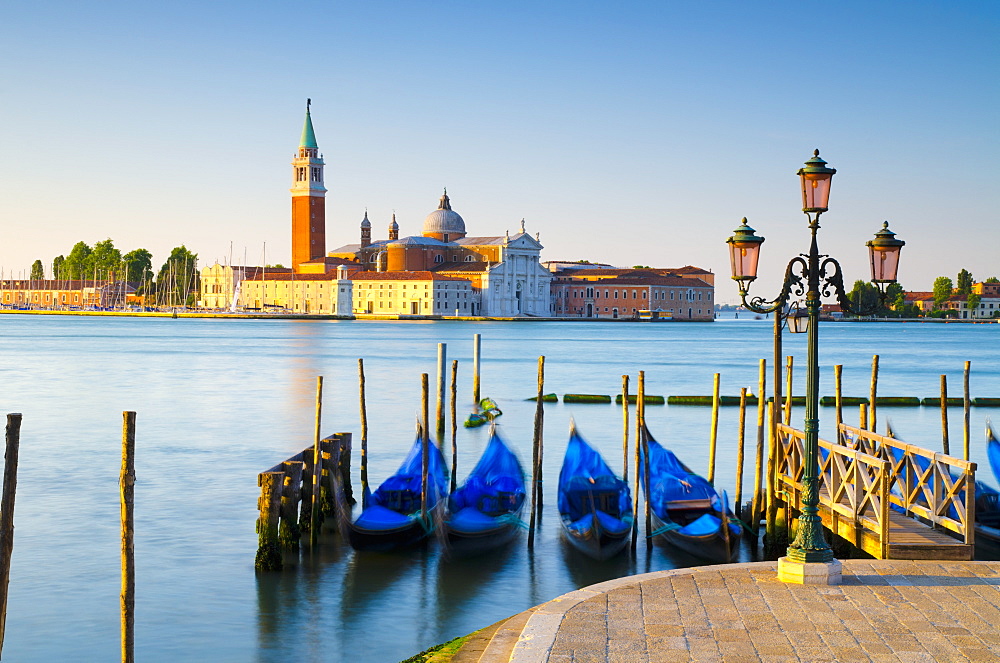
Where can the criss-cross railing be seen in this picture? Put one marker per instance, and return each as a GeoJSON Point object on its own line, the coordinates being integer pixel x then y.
{"type": "Point", "coordinates": [931, 486]}
{"type": "Point", "coordinates": [853, 485]}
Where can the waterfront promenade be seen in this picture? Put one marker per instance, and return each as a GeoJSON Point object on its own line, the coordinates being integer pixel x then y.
{"type": "Point", "coordinates": [883, 611]}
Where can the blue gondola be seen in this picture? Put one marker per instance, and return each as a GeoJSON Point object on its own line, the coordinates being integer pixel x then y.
{"type": "Point", "coordinates": [687, 512]}
{"type": "Point", "coordinates": [594, 505]}
{"type": "Point", "coordinates": [987, 497]}
{"type": "Point", "coordinates": [484, 512]}
{"type": "Point", "coordinates": [391, 517]}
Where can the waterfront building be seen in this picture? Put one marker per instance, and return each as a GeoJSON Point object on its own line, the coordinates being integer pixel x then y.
{"type": "Point", "coordinates": [220, 284]}
{"type": "Point", "coordinates": [62, 293]}
{"type": "Point", "coordinates": [686, 293]}
{"type": "Point", "coordinates": [503, 270]}
{"type": "Point", "coordinates": [308, 199]}
{"type": "Point", "coordinates": [406, 293]}
{"type": "Point", "coordinates": [288, 292]}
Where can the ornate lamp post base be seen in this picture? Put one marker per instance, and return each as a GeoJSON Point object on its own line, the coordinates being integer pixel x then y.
{"type": "Point", "coordinates": [809, 573]}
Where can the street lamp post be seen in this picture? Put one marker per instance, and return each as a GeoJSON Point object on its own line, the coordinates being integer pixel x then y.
{"type": "Point", "coordinates": [814, 275]}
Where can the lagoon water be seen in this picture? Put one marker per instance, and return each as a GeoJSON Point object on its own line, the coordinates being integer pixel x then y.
{"type": "Point", "coordinates": [220, 400]}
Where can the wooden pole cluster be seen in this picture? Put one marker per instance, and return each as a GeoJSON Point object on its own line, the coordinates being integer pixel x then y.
{"type": "Point", "coordinates": [126, 485]}
{"type": "Point", "coordinates": [286, 500]}
{"type": "Point", "coordinates": [536, 457]}
{"type": "Point", "coordinates": [7, 513]}
{"type": "Point", "coordinates": [714, 436]}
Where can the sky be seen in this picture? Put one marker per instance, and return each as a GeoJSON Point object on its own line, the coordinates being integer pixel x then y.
{"type": "Point", "coordinates": [627, 133]}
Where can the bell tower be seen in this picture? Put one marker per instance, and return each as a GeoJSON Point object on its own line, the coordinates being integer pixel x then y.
{"type": "Point", "coordinates": [308, 199]}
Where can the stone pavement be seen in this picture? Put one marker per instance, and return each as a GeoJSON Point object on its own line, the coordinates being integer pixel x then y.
{"type": "Point", "coordinates": [883, 611]}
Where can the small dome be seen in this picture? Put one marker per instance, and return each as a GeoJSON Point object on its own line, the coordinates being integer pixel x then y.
{"type": "Point", "coordinates": [365, 223]}
{"type": "Point", "coordinates": [393, 225]}
{"type": "Point", "coordinates": [443, 220]}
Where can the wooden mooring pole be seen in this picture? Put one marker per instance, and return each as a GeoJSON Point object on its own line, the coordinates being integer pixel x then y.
{"type": "Point", "coordinates": [838, 393]}
{"type": "Point", "coordinates": [635, 495]}
{"type": "Point", "coordinates": [126, 485]}
{"type": "Point", "coordinates": [945, 442]}
{"type": "Point", "coordinates": [873, 398]}
{"type": "Point", "coordinates": [454, 423]}
{"type": "Point", "coordinates": [739, 452]}
{"type": "Point", "coordinates": [441, 362]}
{"type": "Point", "coordinates": [536, 457]}
{"type": "Point", "coordinates": [317, 466]}
{"type": "Point", "coordinates": [789, 363]}
{"type": "Point", "coordinates": [966, 403]}
{"type": "Point", "coordinates": [364, 434]}
{"type": "Point", "coordinates": [640, 413]}
{"type": "Point", "coordinates": [714, 436]}
{"type": "Point", "coordinates": [477, 340]}
{"type": "Point", "coordinates": [424, 442]}
{"type": "Point", "coordinates": [7, 514]}
{"type": "Point", "coordinates": [758, 494]}
{"type": "Point", "coordinates": [625, 431]}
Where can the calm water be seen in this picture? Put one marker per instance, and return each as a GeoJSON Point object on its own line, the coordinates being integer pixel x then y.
{"type": "Point", "coordinates": [219, 401]}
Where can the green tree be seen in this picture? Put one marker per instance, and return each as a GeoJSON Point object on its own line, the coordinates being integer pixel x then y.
{"type": "Point", "coordinates": [58, 267]}
{"type": "Point", "coordinates": [105, 260]}
{"type": "Point", "coordinates": [973, 303]}
{"type": "Point", "coordinates": [993, 279]}
{"type": "Point", "coordinates": [138, 266]}
{"type": "Point", "coordinates": [942, 290]}
{"type": "Point", "coordinates": [177, 281]}
{"type": "Point", "coordinates": [37, 271]}
{"type": "Point", "coordinates": [963, 284]}
{"type": "Point", "coordinates": [77, 263]}
{"type": "Point", "coordinates": [865, 295]}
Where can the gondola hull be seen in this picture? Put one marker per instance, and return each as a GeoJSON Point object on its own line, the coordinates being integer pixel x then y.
{"type": "Point", "coordinates": [596, 540]}
{"type": "Point", "coordinates": [594, 505]}
{"type": "Point", "coordinates": [385, 540]}
{"type": "Point", "coordinates": [715, 545]}
{"type": "Point", "coordinates": [686, 511]}
{"type": "Point", "coordinates": [485, 510]}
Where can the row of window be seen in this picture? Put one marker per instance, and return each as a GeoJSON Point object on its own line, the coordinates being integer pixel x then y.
{"type": "Point", "coordinates": [613, 294]}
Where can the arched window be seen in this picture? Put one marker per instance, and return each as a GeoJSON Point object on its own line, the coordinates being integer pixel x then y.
{"type": "Point", "coordinates": [439, 258]}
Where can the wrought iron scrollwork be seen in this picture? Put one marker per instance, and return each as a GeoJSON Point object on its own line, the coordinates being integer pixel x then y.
{"type": "Point", "coordinates": [793, 285]}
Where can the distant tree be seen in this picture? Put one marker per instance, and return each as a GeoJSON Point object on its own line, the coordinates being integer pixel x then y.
{"type": "Point", "coordinates": [865, 295]}
{"type": "Point", "coordinates": [178, 278]}
{"type": "Point", "coordinates": [77, 264]}
{"type": "Point", "coordinates": [105, 260]}
{"type": "Point", "coordinates": [895, 296]}
{"type": "Point", "coordinates": [942, 290]}
{"type": "Point", "coordinates": [963, 284]}
{"type": "Point", "coordinates": [58, 267]}
{"type": "Point", "coordinates": [274, 266]}
{"type": "Point", "coordinates": [37, 271]}
{"type": "Point", "coordinates": [972, 302]}
{"type": "Point", "coordinates": [138, 266]}
{"type": "Point", "coordinates": [993, 279]}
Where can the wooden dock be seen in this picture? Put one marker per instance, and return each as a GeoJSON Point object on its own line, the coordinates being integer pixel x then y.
{"type": "Point", "coordinates": [892, 500]}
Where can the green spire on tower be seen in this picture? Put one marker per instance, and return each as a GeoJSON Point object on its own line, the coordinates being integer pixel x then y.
{"type": "Point", "coordinates": [308, 135]}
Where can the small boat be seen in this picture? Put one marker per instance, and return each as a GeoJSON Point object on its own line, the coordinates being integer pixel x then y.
{"type": "Point", "coordinates": [686, 510]}
{"type": "Point", "coordinates": [594, 504]}
{"type": "Point", "coordinates": [488, 412]}
{"type": "Point", "coordinates": [391, 517]}
{"type": "Point", "coordinates": [484, 512]}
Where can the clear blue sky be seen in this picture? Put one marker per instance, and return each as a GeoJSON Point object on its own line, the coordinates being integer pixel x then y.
{"type": "Point", "coordinates": [633, 133]}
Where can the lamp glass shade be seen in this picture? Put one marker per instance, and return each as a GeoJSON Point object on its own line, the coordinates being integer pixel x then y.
{"type": "Point", "coordinates": [816, 179]}
{"type": "Point", "coordinates": [744, 251]}
{"type": "Point", "coordinates": [883, 252]}
{"type": "Point", "coordinates": [798, 322]}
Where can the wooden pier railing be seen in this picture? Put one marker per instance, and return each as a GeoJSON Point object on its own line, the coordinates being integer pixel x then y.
{"type": "Point", "coordinates": [890, 499]}
{"type": "Point", "coordinates": [285, 502]}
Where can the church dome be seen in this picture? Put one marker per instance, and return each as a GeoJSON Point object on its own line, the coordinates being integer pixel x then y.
{"type": "Point", "coordinates": [444, 221]}
{"type": "Point", "coordinates": [365, 223]}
